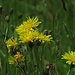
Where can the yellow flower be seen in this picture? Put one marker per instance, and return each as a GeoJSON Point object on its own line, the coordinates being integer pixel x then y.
{"type": "Point", "coordinates": [11, 43]}
{"type": "Point", "coordinates": [19, 57]}
{"type": "Point", "coordinates": [31, 23]}
{"type": "Point", "coordinates": [33, 35]}
{"type": "Point", "coordinates": [27, 33]}
{"type": "Point", "coordinates": [44, 38]}
{"type": "Point", "coordinates": [16, 58]}
{"type": "Point", "coordinates": [70, 57]}
{"type": "Point", "coordinates": [28, 36]}
{"type": "Point", "coordinates": [28, 25]}
{"type": "Point", "coordinates": [11, 60]}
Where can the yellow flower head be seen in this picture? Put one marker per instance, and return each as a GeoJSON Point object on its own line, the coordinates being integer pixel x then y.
{"type": "Point", "coordinates": [33, 35]}
{"type": "Point", "coordinates": [11, 43]}
{"type": "Point", "coordinates": [19, 57]}
{"type": "Point", "coordinates": [28, 25]}
{"type": "Point", "coordinates": [28, 36]}
{"type": "Point", "coordinates": [70, 57]}
{"type": "Point", "coordinates": [44, 38]}
{"type": "Point", "coordinates": [16, 58]}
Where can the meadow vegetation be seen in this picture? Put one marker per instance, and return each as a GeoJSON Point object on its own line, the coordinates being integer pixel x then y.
{"type": "Point", "coordinates": [36, 36]}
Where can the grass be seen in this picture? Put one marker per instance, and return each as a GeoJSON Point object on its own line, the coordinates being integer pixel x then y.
{"type": "Point", "coordinates": [57, 16]}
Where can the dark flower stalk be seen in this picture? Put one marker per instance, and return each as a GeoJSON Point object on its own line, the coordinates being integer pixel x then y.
{"type": "Point", "coordinates": [64, 5]}
{"type": "Point", "coordinates": [11, 11]}
{"type": "Point", "coordinates": [1, 8]}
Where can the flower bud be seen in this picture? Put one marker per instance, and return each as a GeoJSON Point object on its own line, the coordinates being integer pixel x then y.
{"type": "Point", "coordinates": [20, 16]}
{"type": "Point", "coordinates": [3, 34]}
{"type": "Point", "coordinates": [1, 8]}
{"type": "Point", "coordinates": [45, 32]}
{"type": "Point", "coordinates": [12, 28]}
{"type": "Point", "coordinates": [49, 32]}
{"type": "Point", "coordinates": [7, 18]}
{"type": "Point", "coordinates": [11, 11]}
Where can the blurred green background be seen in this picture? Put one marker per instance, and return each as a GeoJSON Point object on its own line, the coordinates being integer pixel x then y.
{"type": "Point", "coordinates": [55, 15]}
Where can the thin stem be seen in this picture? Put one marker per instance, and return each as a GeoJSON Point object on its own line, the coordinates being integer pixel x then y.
{"type": "Point", "coordinates": [70, 37]}
{"type": "Point", "coordinates": [56, 70]}
{"type": "Point", "coordinates": [6, 32]}
{"type": "Point", "coordinates": [33, 61]}
{"type": "Point", "coordinates": [68, 73]}
{"type": "Point", "coordinates": [22, 69]}
{"type": "Point", "coordinates": [37, 58]}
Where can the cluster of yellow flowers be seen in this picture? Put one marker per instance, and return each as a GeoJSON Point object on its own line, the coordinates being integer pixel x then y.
{"type": "Point", "coordinates": [27, 32]}
{"type": "Point", "coordinates": [70, 57]}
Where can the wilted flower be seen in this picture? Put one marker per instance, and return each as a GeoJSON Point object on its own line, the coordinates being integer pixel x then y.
{"type": "Point", "coordinates": [70, 57]}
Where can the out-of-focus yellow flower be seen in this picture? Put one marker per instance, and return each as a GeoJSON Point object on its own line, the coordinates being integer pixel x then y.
{"type": "Point", "coordinates": [19, 57]}
{"type": "Point", "coordinates": [11, 43]}
{"type": "Point", "coordinates": [70, 57]}
{"type": "Point", "coordinates": [11, 60]}
{"type": "Point", "coordinates": [28, 25]}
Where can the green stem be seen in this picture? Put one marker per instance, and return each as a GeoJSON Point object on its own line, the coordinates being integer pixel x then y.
{"type": "Point", "coordinates": [37, 58]}
{"type": "Point", "coordinates": [68, 73]}
{"type": "Point", "coordinates": [56, 70]}
{"type": "Point", "coordinates": [23, 70]}
{"type": "Point", "coordinates": [6, 32]}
